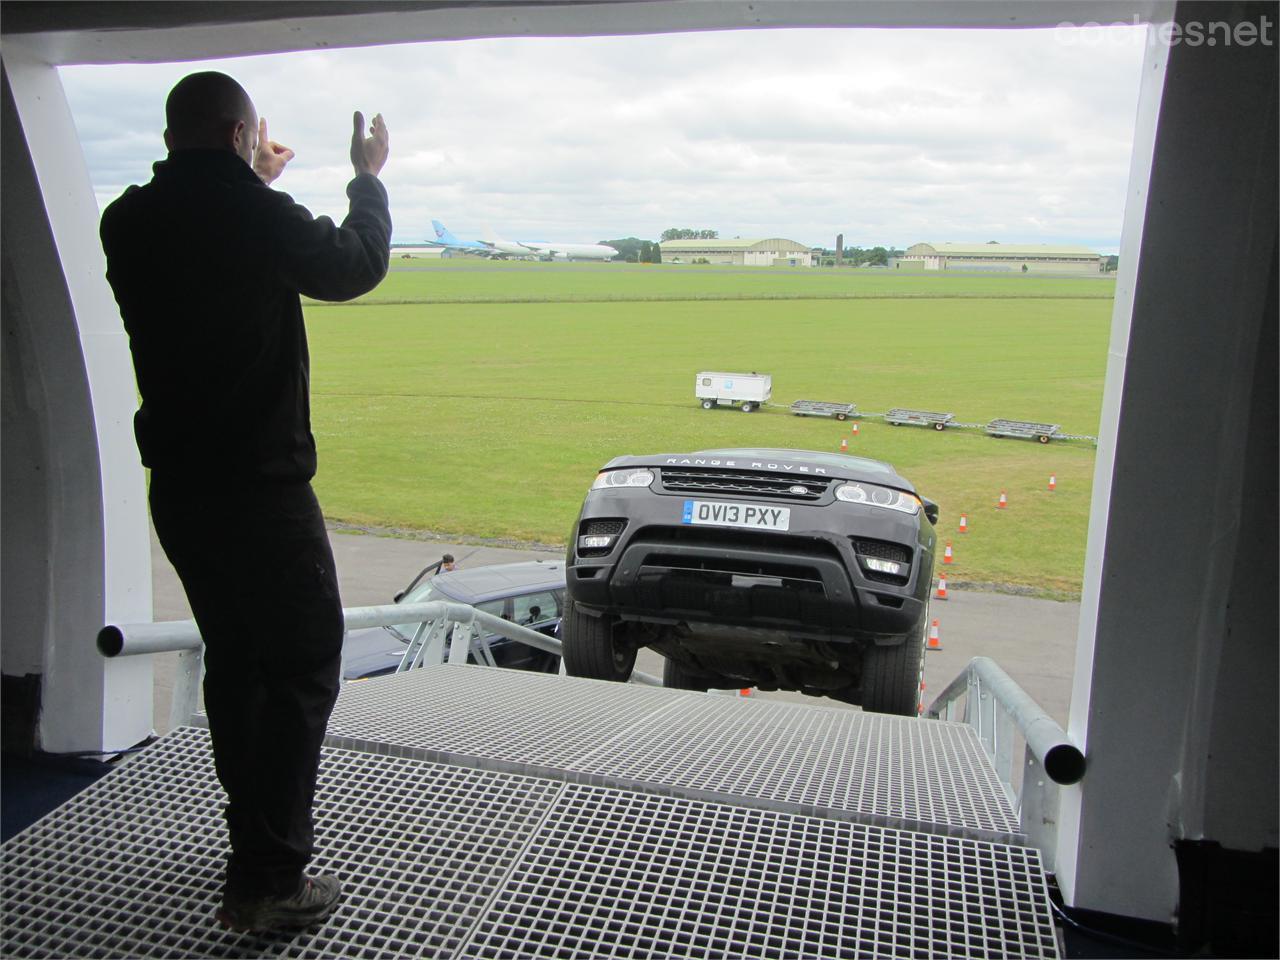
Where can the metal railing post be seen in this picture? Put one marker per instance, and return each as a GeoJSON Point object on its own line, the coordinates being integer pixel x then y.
{"type": "Point", "coordinates": [186, 687]}
{"type": "Point", "coordinates": [999, 711]}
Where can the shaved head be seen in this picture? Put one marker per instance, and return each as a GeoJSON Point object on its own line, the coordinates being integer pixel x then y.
{"type": "Point", "coordinates": [211, 111]}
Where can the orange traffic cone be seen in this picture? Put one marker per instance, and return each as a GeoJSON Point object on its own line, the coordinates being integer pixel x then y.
{"type": "Point", "coordinates": [946, 554]}
{"type": "Point", "coordinates": [1053, 481]}
{"type": "Point", "coordinates": [934, 642]}
{"type": "Point", "coordinates": [844, 446]}
{"type": "Point", "coordinates": [1004, 502]}
{"type": "Point", "coordinates": [964, 523]}
{"type": "Point", "coordinates": [942, 586]}
{"type": "Point", "coordinates": [745, 692]}
{"type": "Point", "coordinates": [854, 428]}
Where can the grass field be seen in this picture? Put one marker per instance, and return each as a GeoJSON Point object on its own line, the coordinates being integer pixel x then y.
{"type": "Point", "coordinates": [469, 416]}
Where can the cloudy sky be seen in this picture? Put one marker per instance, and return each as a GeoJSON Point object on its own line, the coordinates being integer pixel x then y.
{"type": "Point", "coordinates": [888, 136]}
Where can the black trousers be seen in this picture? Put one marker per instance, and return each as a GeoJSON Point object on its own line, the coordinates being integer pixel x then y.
{"type": "Point", "coordinates": [255, 561]}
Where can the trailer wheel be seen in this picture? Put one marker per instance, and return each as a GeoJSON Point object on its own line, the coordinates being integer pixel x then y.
{"type": "Point", "coordinates": [842, 416]}
{"type": "Point", "coordinates": [939, 426]}
{"type": "Point", "coordinates": [593, 648]}
{"type": "Point", "coordinates": [708, 404]}
{"type": "Point", "coordinates": [748, 407]}
{"type": "Point", "coordinates": [1043, 438]}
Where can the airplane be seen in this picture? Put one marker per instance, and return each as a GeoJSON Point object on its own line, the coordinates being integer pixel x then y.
{"type": "Point", "coordinates": [553, 251]}
{"type": "Point", "coordinates": [500, 249]}
{"type": "Point", "coordinates": [447, 240]}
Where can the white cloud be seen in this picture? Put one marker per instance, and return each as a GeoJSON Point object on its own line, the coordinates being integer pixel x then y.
{"type": "Point", "coordinates": [887, 136]}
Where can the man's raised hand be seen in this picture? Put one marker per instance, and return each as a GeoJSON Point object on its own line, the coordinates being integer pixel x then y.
{"type": "Point", "coordinates": [368, 154]}
{"type": "Point", "coordinates": [270, 157]}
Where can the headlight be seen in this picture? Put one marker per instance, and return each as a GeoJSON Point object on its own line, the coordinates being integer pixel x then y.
{"type": "Point", "coordinates": [877, 496]}
{"type": "Point", "coordinates": [622, 478]}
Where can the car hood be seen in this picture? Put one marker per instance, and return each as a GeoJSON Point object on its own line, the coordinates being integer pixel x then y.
{"type": "Point", "coordinates": [370, 651]}
{"type": "Point", "coordinates": [837, 466]}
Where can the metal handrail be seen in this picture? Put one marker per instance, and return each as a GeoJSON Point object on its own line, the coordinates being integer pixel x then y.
{"type": "Point", "coordinates": [1061, 759]}
{"type": "Point", "coordinates": [997, 708]}
{"type": "Point", "coordinates": [183, 637]}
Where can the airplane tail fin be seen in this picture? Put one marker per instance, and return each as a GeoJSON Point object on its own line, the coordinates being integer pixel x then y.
{"type": "Point", "coordinates": [442, 233]}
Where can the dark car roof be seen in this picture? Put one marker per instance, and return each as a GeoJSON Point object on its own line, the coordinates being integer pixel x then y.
{"type": "Point", "coordinates": [478, 584]}
{"type": "Point", "coordinates": [773, 459]}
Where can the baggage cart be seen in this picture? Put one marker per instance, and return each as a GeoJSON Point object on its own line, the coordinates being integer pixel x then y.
{"type": "Point", "coordinates": [1025, 430]}
{"type": "Point", "coordinates": [820, 408]}
{"type": "Point", "coordinates": [901, 416]}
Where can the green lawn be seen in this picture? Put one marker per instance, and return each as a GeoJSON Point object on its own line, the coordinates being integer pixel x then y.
{"type": "Point", "coordinates": [490, 419]}
{"type": "Point", "coordinates": [474, 280]}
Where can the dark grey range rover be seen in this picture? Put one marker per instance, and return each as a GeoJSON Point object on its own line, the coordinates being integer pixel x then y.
{"type": "Point", "coordinates": [779, 569]}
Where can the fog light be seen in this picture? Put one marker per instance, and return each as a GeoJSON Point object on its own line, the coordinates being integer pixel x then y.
{"type": "Point", "coordinates": [883, 566]}
{"type": "Point", "coordinates": [595, 543]}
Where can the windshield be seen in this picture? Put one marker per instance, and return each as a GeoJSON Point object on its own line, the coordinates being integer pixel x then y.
{"type": "Point", "coordinates": [427, 593]}
{"type": "Point", "coordinates": [422, 593]}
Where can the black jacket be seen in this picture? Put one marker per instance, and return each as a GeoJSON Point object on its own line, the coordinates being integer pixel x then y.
{"type": "Point", "coordinates": [207, 263]}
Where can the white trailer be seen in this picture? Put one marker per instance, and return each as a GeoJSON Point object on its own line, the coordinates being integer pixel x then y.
{"type": "Point", "coordinates": [747, 391]}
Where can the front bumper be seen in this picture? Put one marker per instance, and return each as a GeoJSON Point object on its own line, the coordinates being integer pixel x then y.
{"type": "Point", "coordinates": [808, 582]}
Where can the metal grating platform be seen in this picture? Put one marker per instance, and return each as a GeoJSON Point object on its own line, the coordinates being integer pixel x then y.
{"type": "Point", "coordinates": [622, 874]}
{"type": "Point", "coordinates": [445, 861]}
{"type": "Point", "coordinates": [894, 771]}
{"type": "Point", "coordinates": [132, 866]}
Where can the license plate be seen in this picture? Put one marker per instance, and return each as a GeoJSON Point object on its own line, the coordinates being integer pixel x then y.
{"type": "Point", "coordinates": [714, 513]}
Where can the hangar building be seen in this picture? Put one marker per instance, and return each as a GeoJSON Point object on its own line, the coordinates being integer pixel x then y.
{"type": "Point", "coordinates": [1002, 258]}
{"type": "Point", "coordinates": [774, 252]}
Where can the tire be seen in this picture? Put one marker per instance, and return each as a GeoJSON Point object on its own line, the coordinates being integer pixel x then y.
{"type": "Point", "coordinates": [939, 426]}
{"type": "Point", "coordinates": [748, 407]}
{"type": "Point", "coordinates": [678, 677]}
{"type": "Point", "coordinates": [891, 675]}
{"type": "Point", "coordinates": [591, 648]}
{"type": "Point", "coordinates": [1042, 438]}
{"type": "Point", "coordinates": [842, 416]}
{"type": "Point", "coordinates": [708, 404]}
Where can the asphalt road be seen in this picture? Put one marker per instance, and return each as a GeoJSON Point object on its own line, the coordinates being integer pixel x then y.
{"type": "Point", "coordinates": [1033, 640]}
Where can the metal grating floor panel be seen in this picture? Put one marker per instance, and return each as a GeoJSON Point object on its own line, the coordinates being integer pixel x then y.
{"type": "Point", "coordinates": [895, 771]}
{"type": "Point", "coordinates": [535, 719]}
{"type": "Point", "coordinates": [444, 861]}
{"type": "Point", "coordinates": [132, 866]}
{"type": "Point", "coordinates": [622, 874]}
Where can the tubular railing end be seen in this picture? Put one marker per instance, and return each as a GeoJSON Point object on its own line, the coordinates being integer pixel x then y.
{"type": "Point", "coordinates": [110, 640]}
{"type": "Point", "coordinates": [1064, 764]}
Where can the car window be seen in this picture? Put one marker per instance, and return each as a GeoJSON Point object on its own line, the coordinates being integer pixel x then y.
{"type": "Point", "coordinates": [535, 608]}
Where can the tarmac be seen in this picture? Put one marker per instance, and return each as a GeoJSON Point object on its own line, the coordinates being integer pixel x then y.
{"type": "Point", "coordinates": [1033, 640]}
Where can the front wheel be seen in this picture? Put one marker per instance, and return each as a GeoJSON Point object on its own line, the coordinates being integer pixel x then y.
{"type": "Point", "coordinates": [675, 676]}
{"type": "Point", "coordinates": [748, 407]}
{"type": "Point", "coordinates": [593, 648]}
{"type": "Point", "coordinates": [891, 676]}
{"type": "Point", "coordinates": [708, 404]}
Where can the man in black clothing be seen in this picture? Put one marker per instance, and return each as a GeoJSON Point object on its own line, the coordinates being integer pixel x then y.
{"type": "Point", "coordinates": [207, 262]}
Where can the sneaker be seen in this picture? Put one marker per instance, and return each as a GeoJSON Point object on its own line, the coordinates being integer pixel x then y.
{"type": "Point", "coordinates": [311, 903]}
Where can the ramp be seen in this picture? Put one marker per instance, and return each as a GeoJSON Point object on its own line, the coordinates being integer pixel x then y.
{"type": "Point", "coordinates": [646, 823]}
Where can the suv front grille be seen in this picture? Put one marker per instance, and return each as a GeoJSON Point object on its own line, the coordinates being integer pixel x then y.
{"type": "Point", "coordinates": [745, 483]}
